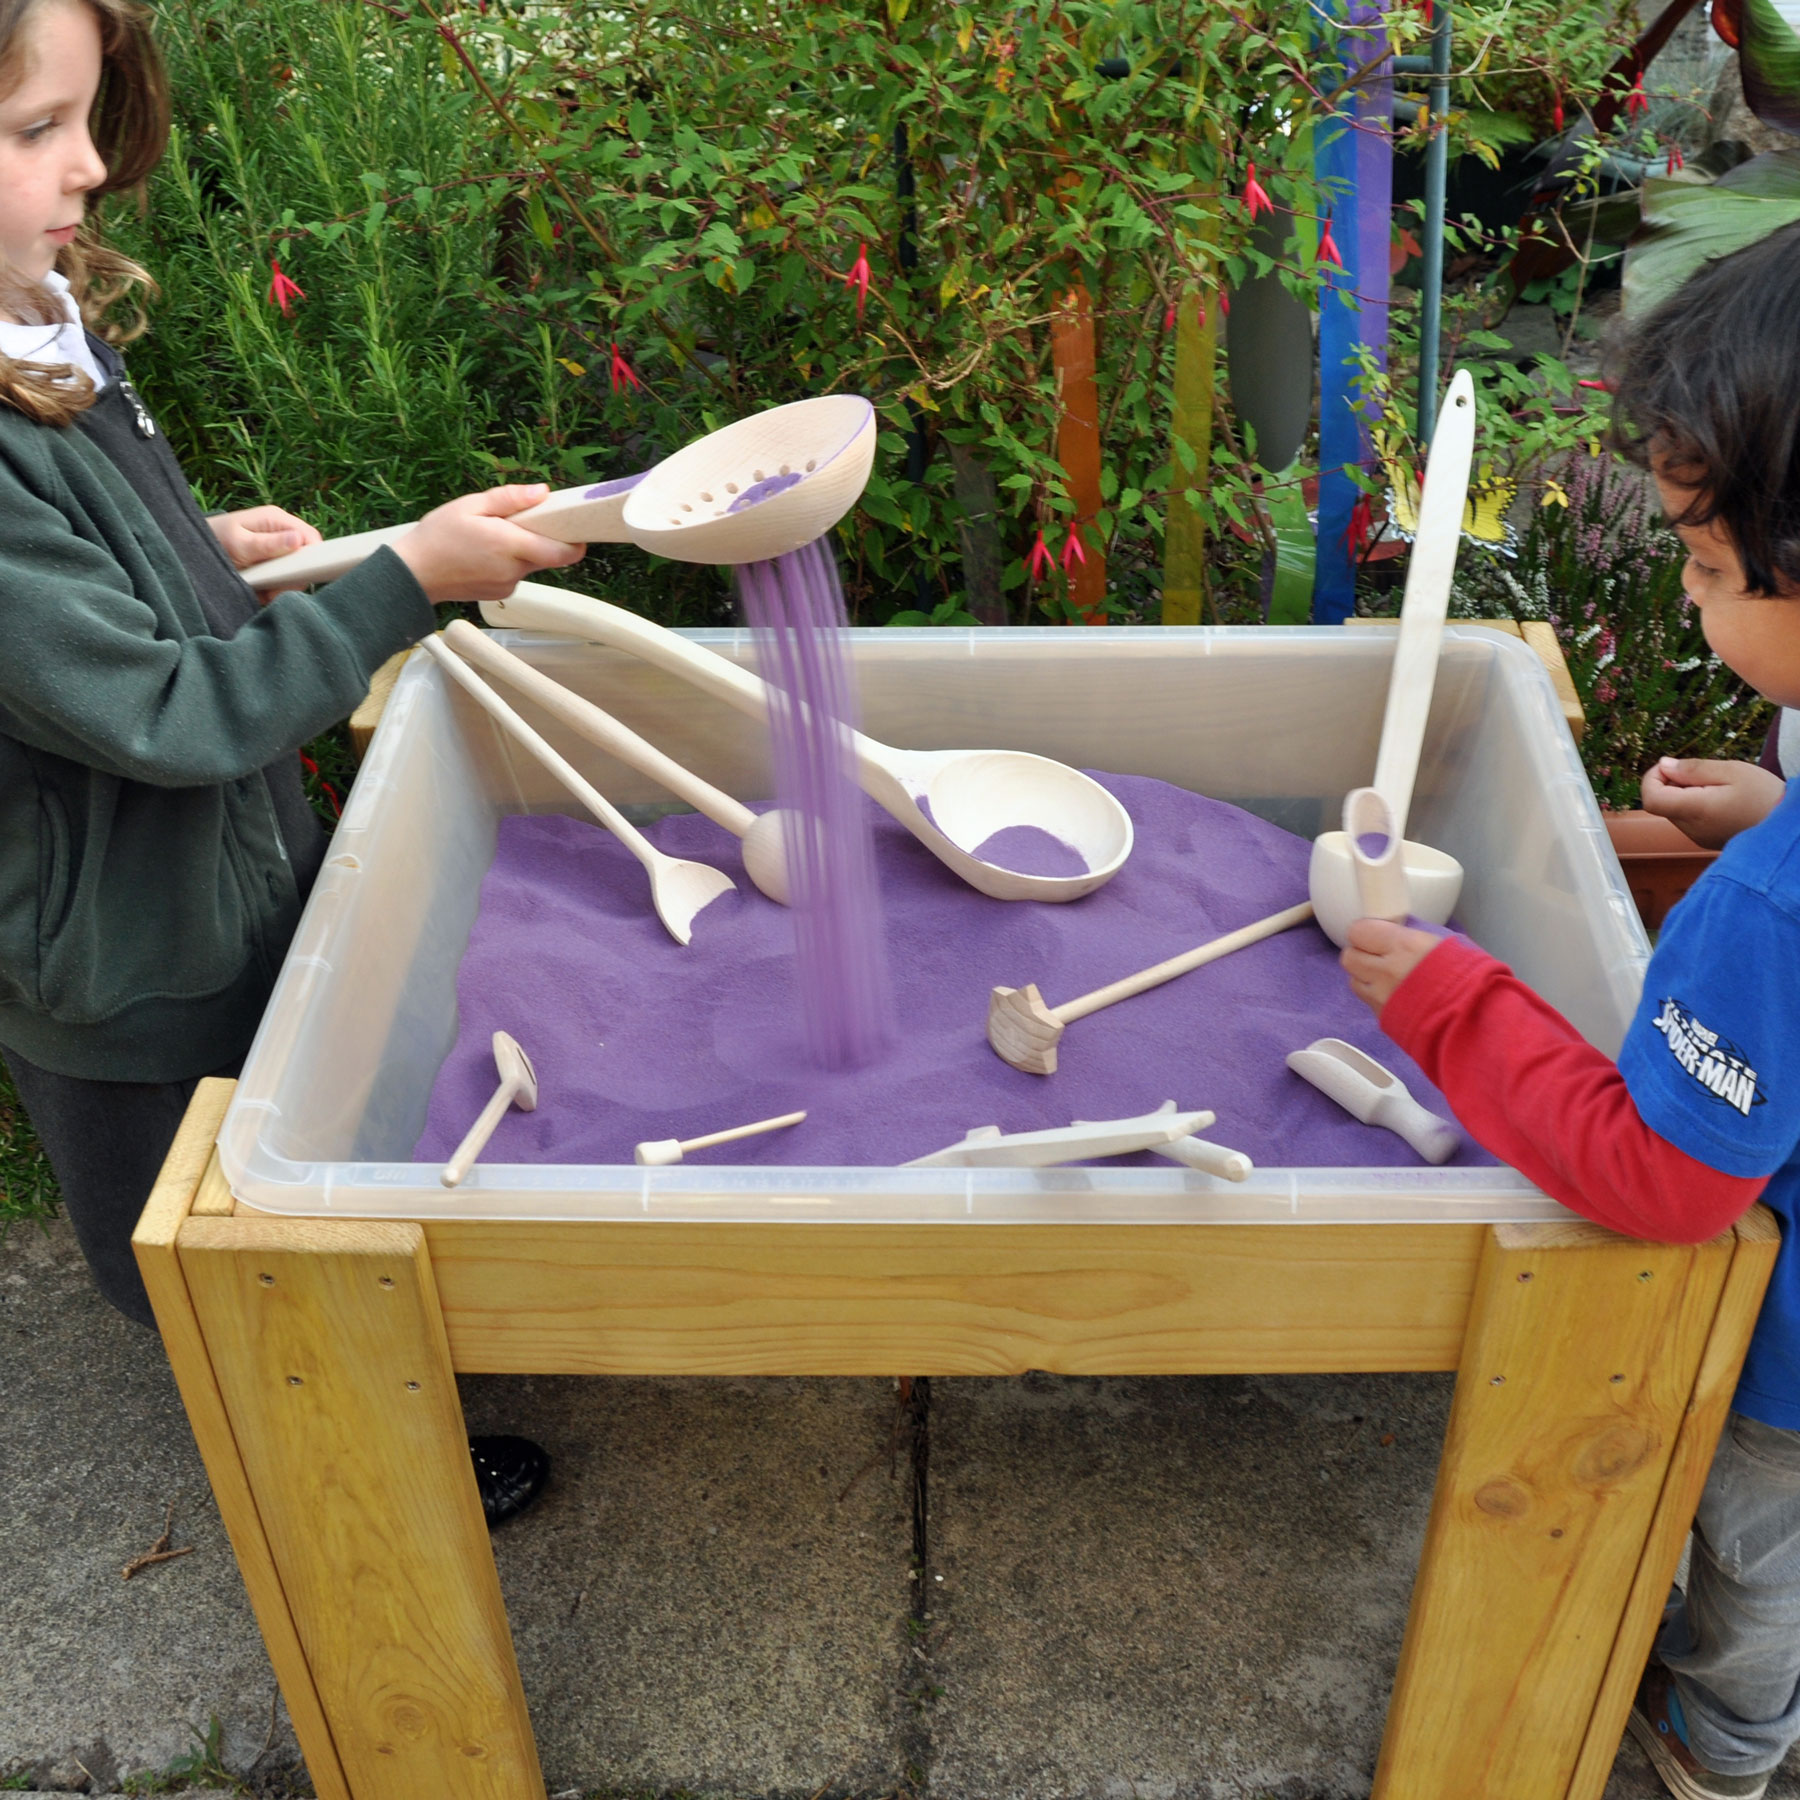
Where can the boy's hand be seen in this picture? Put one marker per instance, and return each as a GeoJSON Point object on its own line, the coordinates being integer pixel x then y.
{"type": "Point", "coordinates": [1711, 801]}
{"type": "Point", "coordinates": [1380, 955]}
{"type": "Point", "coordinates": [260, 533]}
{"type": "Point", "coordinates": [466, 550]}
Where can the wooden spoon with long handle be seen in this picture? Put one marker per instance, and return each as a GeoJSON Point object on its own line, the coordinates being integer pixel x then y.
{"type": "Point", "coordinates": [518, 1087]}
{"type": "Point", "coordinates": [765, 861]}
{"type": "Point", "coordinates": [678, 889]}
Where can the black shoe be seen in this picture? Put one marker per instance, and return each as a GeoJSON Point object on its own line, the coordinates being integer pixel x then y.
{"type": "Point", "coordinates": [510, 1473]}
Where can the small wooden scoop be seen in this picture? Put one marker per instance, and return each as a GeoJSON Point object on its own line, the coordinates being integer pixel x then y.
{"type": "Point", "coordinates": [678, 889]}
{"type": "Point", "coordinates": [1377, 1096]}
{"type": "Point", "coordinates": [765, 859]}
{"type": "Point", "coordinates": [518, 1087]}
{"type": "Point", "coordinates": [657, 1153]}
{"type": "Point", "coordinates": [1024, 1031]}
{"type": "Point", "coordinates": [988, 1147]}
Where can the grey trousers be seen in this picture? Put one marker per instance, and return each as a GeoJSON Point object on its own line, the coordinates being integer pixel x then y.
{"type": "Point", "coordinates": [1733, 1640]}
{"type": "Point", "coordinates": [106, 1141]}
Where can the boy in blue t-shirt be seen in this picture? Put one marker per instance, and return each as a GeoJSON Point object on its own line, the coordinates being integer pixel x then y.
{"type": "Point", "coordinates": [1701, 1115]}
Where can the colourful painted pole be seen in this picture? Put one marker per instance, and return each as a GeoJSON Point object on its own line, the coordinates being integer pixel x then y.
{"type": "Point", "coordinates": [1353, 158]}
{"type": "Point", "coordinates": [1190, 424]}
{"type": "Point", "coordinates": [1078, 445]}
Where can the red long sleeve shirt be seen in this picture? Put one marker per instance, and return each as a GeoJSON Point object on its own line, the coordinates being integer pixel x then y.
{"type": "Point", "coordinates": [1531, 1089]}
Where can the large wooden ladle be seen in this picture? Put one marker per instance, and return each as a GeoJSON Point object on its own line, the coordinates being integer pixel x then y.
{"type": "Point", "coordinates": [1433, 879]}
{"type": "Point", "coordinates": [952, 801]}
{"type": "Point", "coordinates": [749, 491]}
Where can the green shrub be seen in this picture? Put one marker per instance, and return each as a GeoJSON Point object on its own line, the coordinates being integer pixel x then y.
{"type": "Point", "coordinates": [479, 202]}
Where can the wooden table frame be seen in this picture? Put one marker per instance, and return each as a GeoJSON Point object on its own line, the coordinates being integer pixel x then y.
{"type": "Point", "coordinates": [317, 1360]}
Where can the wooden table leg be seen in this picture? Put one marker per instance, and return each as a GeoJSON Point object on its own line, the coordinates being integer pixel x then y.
{"type": "Point", "coordinates": [1753, 1258]}
{"type": "Point", "coordinates": [329, 1351]}
{"type": "Point", "coordinates": [171, 1202]}
{"type": "Point", "coordinates": [1578, 1370]}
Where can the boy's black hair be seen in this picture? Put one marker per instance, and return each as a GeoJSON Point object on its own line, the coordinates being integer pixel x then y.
{"type": "Point", "coordinates": [1708, 388]}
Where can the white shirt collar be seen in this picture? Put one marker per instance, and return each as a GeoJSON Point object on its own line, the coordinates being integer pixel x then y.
{"type": "Point", "coordinates": [61, 343]}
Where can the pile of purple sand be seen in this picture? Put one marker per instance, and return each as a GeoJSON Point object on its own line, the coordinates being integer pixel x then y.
{"type": "Point", "coordinates": [635, 1037]}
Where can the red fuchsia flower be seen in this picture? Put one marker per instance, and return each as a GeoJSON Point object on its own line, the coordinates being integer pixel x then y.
{"type": "Point", "coordinates": [1676, 159]}
{"type": "Point", "coordinates": [1169, 317]}
{"type": "Point", "coordinates": [1256, 196]}
{"type": "Point", "coordinates": [859, 277]}
{"type": "Point", "coordinates": [1039, 558]}
{"type": "Point", "coordinates": [1328, 250]}
{"type": "Point", "coordinates": [623, 374]}
{"type": "Point", "coordinates": [282, 288]}
{"type": "Point", "coordinates": [1637, 100]}
{"type": "Point", "coordinates": [1556, 116]}
{"type": "Point", "coordinates": [1601, 385]}
{"type": "Point", "coordinates": [1225, 305]}
{"type": "Point", "coordinates": [1072, 550]}
{"type": "Point", "coordinates": [1361, 527]}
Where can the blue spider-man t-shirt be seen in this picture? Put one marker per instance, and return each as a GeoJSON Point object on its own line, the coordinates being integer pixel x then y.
{"type": "Point", "coordinates": [1712, 1061]}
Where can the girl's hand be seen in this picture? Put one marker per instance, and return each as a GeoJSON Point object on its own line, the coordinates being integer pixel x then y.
{"type": "Point", "coordinates": [260, 533]}
{"type": "Point", "coordinates": [1711, 801]}
{"type": "Point", "coordinates": [1380, 955]}
{"type": "Point", "coordinates": [466, 550]}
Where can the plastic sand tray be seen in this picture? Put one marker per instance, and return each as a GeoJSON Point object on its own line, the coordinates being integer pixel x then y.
{"type": "Point", "coordinates": [635, 1037]}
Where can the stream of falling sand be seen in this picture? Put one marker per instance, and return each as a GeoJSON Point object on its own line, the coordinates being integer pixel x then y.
{"type": "Point", "coordinates": [795, 605]}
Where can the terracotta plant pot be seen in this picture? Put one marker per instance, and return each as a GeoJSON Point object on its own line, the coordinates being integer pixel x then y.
{"type": "Point", "coordinates": [1661, 862]}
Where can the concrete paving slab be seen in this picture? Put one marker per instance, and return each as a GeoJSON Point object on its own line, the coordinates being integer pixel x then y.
{"type": "Point", "coordinates": [104, 1675]}
{"type": "Point", "coordinates": [696, 1602]}
{"type": "Point", "coordinates": [1171, 1589]}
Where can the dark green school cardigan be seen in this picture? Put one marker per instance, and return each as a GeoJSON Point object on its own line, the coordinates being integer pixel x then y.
{"type": "Point", "coordinates": [146, 897]}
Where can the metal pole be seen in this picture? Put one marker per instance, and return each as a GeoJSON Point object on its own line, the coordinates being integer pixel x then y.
{"type": "Point", "coordinates": [1431, 287]}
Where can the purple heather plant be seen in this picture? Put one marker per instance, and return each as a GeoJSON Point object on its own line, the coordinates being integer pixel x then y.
{"type": "Point", "coordinates": [1605, 569]}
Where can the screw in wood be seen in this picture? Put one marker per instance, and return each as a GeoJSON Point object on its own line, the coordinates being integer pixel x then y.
{"type": "Point", "coordinates": [1525, 1275]}
{"type": "Point", "coordinates": [266, 1280]}
{"type": "Point", "coordinates": [295, 1381]}
{"type": "Point", "coordinates": [386, 1281]}
{"type": "Point", "coordinates": [1498, 1381]}
{"type": "Point", "coordinates": [1644, 1274]}
{"type": "Point", "coordinates": [412, 1387]}
{"type": "Point", "coordinates": [1617, 1379]}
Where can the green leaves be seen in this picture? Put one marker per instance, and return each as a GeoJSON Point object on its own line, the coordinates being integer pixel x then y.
{"type": "Point", "coordinates": [1769, 60]}
{"type": "Point", "coordinates": [1690, 221]}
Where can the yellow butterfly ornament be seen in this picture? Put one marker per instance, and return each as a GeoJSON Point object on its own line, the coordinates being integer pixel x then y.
{"type": "Point", "coordinates": [1484, 512]}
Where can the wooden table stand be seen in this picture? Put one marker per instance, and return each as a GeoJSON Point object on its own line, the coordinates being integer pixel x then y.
{"type": "Point", "coordinates": [317, 1359]}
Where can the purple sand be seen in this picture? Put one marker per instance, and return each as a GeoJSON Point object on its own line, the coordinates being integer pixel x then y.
{"type": "Point", "coordinates": [1029, 850]}
{"type": "Point", "coordinates": [796, 607]}
{"type": "Point", "coordinates": [1024, 849]}
{"type": "Point", "coordinates": [765, 489]}
{"type": "Point", "coordinates": [622, 484]}
{"type": "Point", "coordinates": [635, 1037]}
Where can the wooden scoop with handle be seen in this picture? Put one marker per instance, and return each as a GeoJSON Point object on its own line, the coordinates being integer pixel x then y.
{"type": "Point", "coordinates": [1433, 879]}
